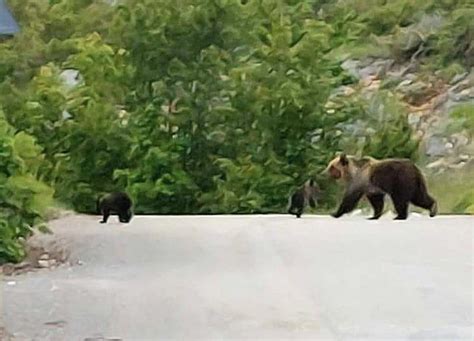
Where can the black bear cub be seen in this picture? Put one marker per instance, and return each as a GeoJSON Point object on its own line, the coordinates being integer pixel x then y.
{"type": "Point", "coordinates": [306, 194]}
{"type": "Point", "coordinates": [116, 202]}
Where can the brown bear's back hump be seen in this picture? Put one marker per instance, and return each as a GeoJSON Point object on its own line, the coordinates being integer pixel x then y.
{"type": "Point", "coordinates": [395, 175]}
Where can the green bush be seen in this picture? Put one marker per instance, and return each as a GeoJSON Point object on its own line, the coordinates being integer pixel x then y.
{"type": "Point", "coordinates": [247, 187]}
{"type": "Point", "coordinates": [206, 117]}
{"type": "Point", "coordinates": [454, 190]}
{"type": "Point", "coordinates": [23, 198]}
{"type": "Point", "coordinates": [381, 128]}
{"type": "Point", "coordinates": [456, 40]}
{"type": "Point", "coordinates": [391, 134]}
{"type": "Point", "coordinates": [464, 115]}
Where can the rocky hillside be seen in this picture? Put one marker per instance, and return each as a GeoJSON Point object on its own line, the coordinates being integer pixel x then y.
{"type": "Point", "coordinates": [436, 107]}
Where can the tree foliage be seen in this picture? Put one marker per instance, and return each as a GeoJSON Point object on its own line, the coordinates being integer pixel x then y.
{"type": "Point", "coordinates": [23, 198]}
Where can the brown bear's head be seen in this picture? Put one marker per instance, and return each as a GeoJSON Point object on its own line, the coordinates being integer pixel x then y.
{"type": "Point", "coordinates": [338, 167]}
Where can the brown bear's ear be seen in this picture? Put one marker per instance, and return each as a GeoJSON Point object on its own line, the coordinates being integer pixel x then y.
{"type": "Point", "coordinates": [343, 159]}
{"type": "Point", "coordinates": [311, 182]}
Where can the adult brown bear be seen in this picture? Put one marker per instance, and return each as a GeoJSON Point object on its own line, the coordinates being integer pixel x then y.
{"type": "Point", "coordinates": [399, 178]}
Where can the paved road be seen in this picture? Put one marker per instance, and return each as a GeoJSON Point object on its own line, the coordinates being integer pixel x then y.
{"type": "Point", "coordinates": [251, 277]}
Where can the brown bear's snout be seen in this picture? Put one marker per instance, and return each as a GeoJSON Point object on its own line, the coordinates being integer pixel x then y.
{"type": "Point", "coordinates": [334, 172]}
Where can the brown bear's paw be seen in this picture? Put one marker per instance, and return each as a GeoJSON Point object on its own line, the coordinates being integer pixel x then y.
{"type": "Point", "coordinates": [434, 209]}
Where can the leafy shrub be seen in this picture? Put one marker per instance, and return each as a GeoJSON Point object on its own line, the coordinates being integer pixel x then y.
{"type": "Point", "coordinates": [247, 187]}
{"type": "Point", "coordinates": [454, 190]}
{"type": "Point", "coordinates": [23, 198]}
{"type": "Point", "coordinates": [450, 71]}
{"type": "Point", "coordinates": [464, 115]}
{"type": "Point", "coordinates": [380, 129]}
{"type": "Point", "coordinates": [456, 40]}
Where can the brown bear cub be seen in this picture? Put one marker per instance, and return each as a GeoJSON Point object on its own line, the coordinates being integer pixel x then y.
{"type": "Point", "coordinates": [116, 202]}
{"type": "Point", "coordinates": [306, 194]}
{"type": "Point", "coordinates": [399, 178]}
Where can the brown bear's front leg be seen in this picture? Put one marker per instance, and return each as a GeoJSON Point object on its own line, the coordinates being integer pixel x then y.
{"type": "Point", "coordinates": [377, 202]}
{"type": "Point", "coordinates": [106, 214]}
{"type": "Point", "coordinates": [349, 202]}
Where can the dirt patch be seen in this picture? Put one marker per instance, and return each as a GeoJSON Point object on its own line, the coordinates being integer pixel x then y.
{"type": "Point", "coordinates": [37, 257]}
{"type": "Point", "coordinates": [4, 336]}
{"type": "Point", "coordinates": [54, 213]}
{"type": "Point", "coordinates": [43, 250]}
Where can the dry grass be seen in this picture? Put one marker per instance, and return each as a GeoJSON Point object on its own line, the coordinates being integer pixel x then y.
{"type": "Point", "coordinates": [454, 191]}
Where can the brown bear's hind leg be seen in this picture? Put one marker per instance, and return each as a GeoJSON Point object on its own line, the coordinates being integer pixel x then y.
{"type": "Point", "coordinates": [401, 206]}
{"type": "Point", "coordinates": [377, 202]}
{"type": "Point", "coordinates": [424, 200]}
{"type": "Point", "coordinates": [434, 209]}
{"type": "Point", "coordinates": [299, 213]}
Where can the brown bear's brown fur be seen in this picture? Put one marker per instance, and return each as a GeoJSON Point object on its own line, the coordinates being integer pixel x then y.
{"type": "Point", "coordinates": [118, 202]}
{"type": "Point", "coordinates": [399, 178]}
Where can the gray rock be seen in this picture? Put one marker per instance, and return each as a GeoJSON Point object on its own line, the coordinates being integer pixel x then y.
{"type": "Point", "coordinates": [415, 93]}
{"type": "Point", "coordinates": [410, 76]}
{"type": "Point", "coordinates": [352, 67]}
{"type": "Point", "coordinates": [408, 39]}
{"type": "Point", "coordinates": [440, 163]}
{"type": "Point", "coordinates": [411, 37]}
{"type": "Point", "coordinates": [459, 77]}
{"type": "Point", "coordinates": [377, 68]}
{"type": "Point", "coordinates": [44, 256]}
{"type": "Point", "coordinates": [341, 91]}
{"type": "Point", "coordinates": [43, 263]}
{"type": "Point", "coordinates": [459, 139]}
{"type": "Point", "coordinates": [404, 83]}
{"type": "Point", "coordinates": [463, 95]}
{"type": "Point", "coordinates": [66, 115]}
{"type": "Point", "coordinates": [458, 165]}
{"type": "Point", "coordinates": [430, 23]}
{"type": "Point", "coordinates": [466, 82]}
{"type": "Point", "coordinates": [412, 89]}
{"type": "Point", "coordinates": [413, 119]}
{"type": "Point", "coordinates": [47, 263]}
{"type": "Point", "coordinates": [449, 145]}
{"type": "Point", "coordinates": [440, 100]}
{"type": "Point", "coordinates": [436, 146]}
{"type": "Point", "coordinates": [71, 77]}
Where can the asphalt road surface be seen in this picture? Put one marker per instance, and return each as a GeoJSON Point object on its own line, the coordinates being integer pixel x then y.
{"type": "Point", "coordinates": [250, 277]}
